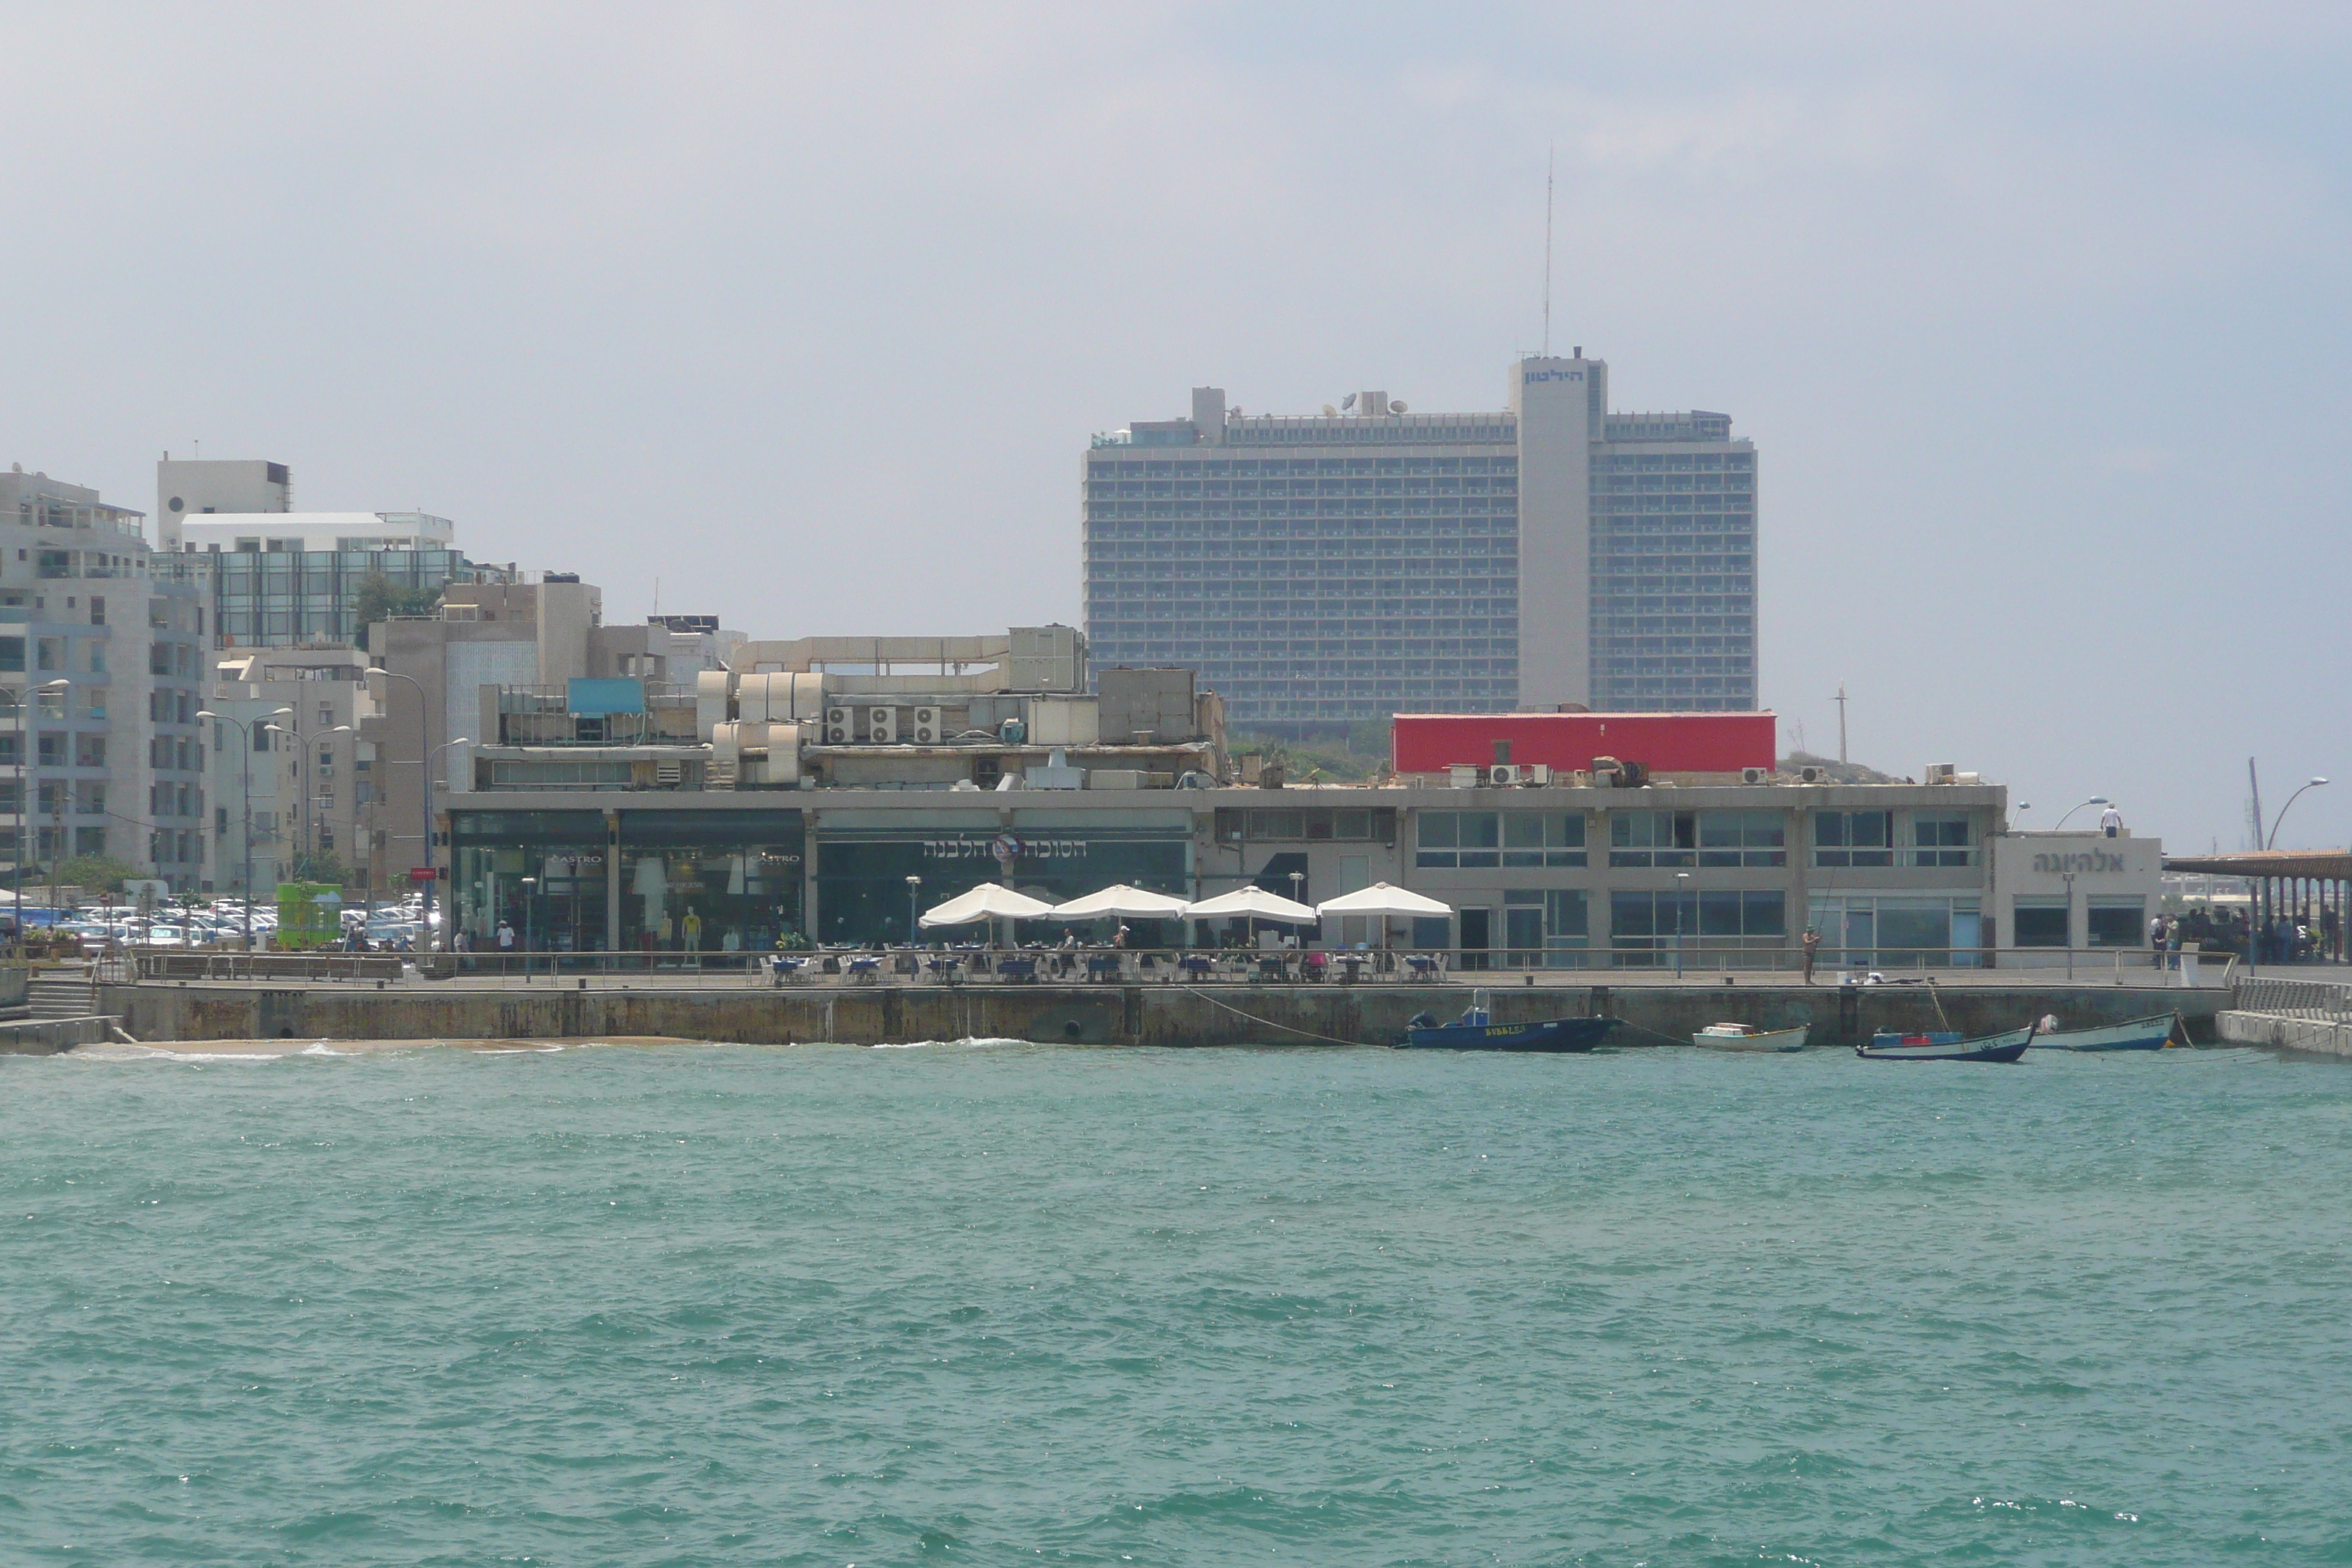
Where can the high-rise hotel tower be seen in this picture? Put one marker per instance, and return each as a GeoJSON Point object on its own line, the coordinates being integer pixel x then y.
{"type": "Point", "coordinates": [1330, 569]}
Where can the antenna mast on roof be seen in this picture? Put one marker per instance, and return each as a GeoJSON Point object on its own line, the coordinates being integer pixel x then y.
{"type": "Point", "coordinates": [1550, 156]}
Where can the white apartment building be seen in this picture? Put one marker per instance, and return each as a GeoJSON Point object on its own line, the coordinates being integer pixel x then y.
{"type": "Point", "coordinates": [292, 771]}
{"type": "Point", "coordinates": [101, 643]}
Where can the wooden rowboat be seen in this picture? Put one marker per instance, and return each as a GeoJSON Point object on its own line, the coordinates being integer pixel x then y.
{"type": "Point", "coordinates": [1749, 1037]}
{"type": "Point", "coordinates": [1893, 1048]}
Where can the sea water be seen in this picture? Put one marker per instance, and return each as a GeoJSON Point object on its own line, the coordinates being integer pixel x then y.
{"type": "Point", "coordinates": [1002, 1303]}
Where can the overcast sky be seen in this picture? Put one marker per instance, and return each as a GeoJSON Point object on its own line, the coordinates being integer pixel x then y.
{"type": "Point", "coordinates": [2037, 313]}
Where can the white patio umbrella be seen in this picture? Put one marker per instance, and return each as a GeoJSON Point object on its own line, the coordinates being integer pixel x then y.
{"type": "Point", "coordinates": [1122, 903]}
{"type": "Point", "coordinates": [1258, 904]}
{"type": "Point", "coordinates": [1383, 901]}
{"type": "Point", "coordinates": [990, 901]}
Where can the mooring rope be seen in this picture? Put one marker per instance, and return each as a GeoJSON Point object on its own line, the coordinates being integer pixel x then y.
{"type": "Point", "coordinates": [1236, 1012]}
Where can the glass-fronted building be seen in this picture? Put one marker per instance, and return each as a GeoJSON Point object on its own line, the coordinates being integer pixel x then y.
{"type": "Point", "coordinates": [1339, 568]}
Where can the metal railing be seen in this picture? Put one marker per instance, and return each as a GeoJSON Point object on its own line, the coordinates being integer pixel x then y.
{"type": "Point", "coordinates": [1312, 964]}
{"type": "Point", "coordinates": [2321, 1000]}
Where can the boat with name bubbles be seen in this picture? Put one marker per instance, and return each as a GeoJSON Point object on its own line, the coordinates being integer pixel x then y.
{"type": "Point", "coordinates": [1477, 1031]}
{"type": "Point", "coordinates": [1886, 1045]}
{"type": "Point", "coordinates": [2152, 1033]}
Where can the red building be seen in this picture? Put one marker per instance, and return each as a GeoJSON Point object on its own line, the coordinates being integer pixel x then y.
{"type": "Point", "coordinates": [1663, 742]}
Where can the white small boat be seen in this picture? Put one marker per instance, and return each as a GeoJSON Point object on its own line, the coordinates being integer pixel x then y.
{"type": "Point", "coordinates": [2149, 1034]}
{"type": "Point", "coordinates": [1749, 1037]}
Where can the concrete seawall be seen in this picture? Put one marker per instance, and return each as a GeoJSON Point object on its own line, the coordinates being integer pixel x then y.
{"type": "Point", "coordinates": [1091, 1014]}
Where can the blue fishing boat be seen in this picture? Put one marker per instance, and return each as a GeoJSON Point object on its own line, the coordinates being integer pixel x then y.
{"type": "Point", "coordinates": [1889, 1047]}
{"type": "Point", "coordinates": [1477, 1031]}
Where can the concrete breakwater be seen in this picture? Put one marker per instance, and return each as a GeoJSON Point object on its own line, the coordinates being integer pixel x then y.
{"type": "Point", "coordinates": [1170, 1014]}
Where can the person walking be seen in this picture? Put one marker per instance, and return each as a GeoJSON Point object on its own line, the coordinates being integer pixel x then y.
{"type": "Point", "coordinates": [506, 937]}
{"type": "Point", "coordinates": [2111, 822]}
{"type": "Point", "coordinates": [1812, 945]}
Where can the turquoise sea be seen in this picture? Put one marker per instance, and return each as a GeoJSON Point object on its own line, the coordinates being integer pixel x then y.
{"type": "Point", "coordinates": [997, 1303]}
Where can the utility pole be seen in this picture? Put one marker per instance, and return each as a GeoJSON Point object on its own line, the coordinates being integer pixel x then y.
{"type": "Point", "coordinates": [1841, 702]}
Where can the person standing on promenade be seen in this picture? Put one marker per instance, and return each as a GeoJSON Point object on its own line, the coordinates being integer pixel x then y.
{"type": "Point", "coordinates": [1812, 945]}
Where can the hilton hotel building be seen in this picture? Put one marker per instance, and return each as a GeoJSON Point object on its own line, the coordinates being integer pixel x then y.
{"type": "Point", "coordinates": [1324, 571]}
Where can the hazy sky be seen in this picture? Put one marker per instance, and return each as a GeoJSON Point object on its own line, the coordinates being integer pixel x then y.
{"type": "Point", "coordinates": [2037, 313]}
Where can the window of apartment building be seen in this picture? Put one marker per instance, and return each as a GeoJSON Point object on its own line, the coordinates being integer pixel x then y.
{"type": "Point", "coordinates": [1543, 838]}
{"type": "Point", "coordinates": [1470, 838]}
{"type": "Point", "coordinates": [1743, 839]}
{"type": "Point", "coordinates": [1941, 838]}
{"type": "Point", "coordinates": [12, 653]}
{"type": "Point", "coordinates": [51, 653]}
{"type": "Point", "coordinates": [159, 615]}
{"type": "Point", "coordinates": [260, 737]}
{"type": "Point", "coordinates": [326, 713]}
{"type": "Point", "coordinates": [326, 761]}
{"type": "Point", "coordinates": [51, 753]}
{"type": "Point", "coordinates": [1853, 839]}
{"type": "Point", "coordinates": [2116, 921]}
{"type": "Point", "coordinates": [1653, 837]}
{"type": "Point", "coordinates": [1346, 825]}
{"type": "Point", "coordinates": [98, 659]}
{"type": "Point", "coordinates": [90, 750]}
{"type": "Point", "coordinates": [89, 840]}
{"type": "Point", "coordinates": [2038, 922]}
{"type": "Point", "coordinates": [97, 610]}
{"type": "Point", "coordinates": [89, 797]}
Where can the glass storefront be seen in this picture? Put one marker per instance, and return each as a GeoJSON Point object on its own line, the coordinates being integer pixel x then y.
{"type": "Point", "coordinates": [1882, 931]}
{"type": "Point", "coordinates": [710, 881]}
{"type": "Point", "coordinates": [862, 894]}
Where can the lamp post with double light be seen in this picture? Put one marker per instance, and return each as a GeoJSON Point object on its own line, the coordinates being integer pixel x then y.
{"type": "Point", "coordinates": [245, 728]}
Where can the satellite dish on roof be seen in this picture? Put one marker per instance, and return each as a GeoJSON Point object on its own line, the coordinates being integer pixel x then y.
{"type": "Point", "coordinates": [1329, 412]}
{"type": "Point", "coordinates": [1349, 401]}
{"type": "Point", "coordinates": [1395, 406]}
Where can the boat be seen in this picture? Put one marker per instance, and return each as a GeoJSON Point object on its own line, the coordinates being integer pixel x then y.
{"type": "Point", "coordinates": [2149, 1034]}
{"type": "Point", "coordinates": [1889, 1047]}
{"type": "Point", "coordinates": [1477, 1031]}
{"type": "Point", "coordinates": [1749, 1037]}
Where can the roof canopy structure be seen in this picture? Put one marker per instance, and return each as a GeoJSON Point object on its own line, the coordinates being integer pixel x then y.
{"type": "Point", "coordinates": [2315, 864]}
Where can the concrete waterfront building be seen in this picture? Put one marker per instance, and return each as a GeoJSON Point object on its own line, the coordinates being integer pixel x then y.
{"type": "Point", "coordinates": [1332, 569]}
{"type": "Point", "coordinates": [102, 645]}
{"type": "Point", "coordinates": [1720, 866]}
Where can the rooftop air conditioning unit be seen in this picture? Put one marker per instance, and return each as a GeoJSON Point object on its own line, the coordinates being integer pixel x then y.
{"type": "Point", "coordinates": [1754, 775]}
{"type": "Point", "coordinates": [927, 726]}
{"type": "Point", "coordinates": [882, 726]}
{"type": "Point", "coordinates": [1463, 776]}
{"type": "Point", "coordinates": [1503, 774]}
{"type": "Point", "coordinates": [1942, 773]}
{"type": "Point", "coordinates": [1812, 775]}
{"type": "Point", "coordinates": [839, 725]}
{"type": "Point", "coordinates": [1529, 772]}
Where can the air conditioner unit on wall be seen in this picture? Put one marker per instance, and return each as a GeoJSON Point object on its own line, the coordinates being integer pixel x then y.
{"type": "Point", "coordinates": [837, 726]}
{"type": "Point", "coordinates": [882, 726]}
{"type": "Point", "coordinates": [1535, 772]}
{"type": "Point", "coordinates": [1812, 775]}
{"type": "Point", "coordinates": [927, 727]}
{"type": "Point", "coordinates": [1755, 775]}
{"type": "Point", "coordinates": [1503, 774]}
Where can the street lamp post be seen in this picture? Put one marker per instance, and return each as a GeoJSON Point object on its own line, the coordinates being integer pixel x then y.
{"type": "Point", "coordinates": [2094, 800]}
{"type": "Point", "coordinates": [2069, 876]}
{"type": "Point", "coordinates": [33, 760]}
{"type": "Point", "coordinates": [244, 729]}
{"type": "Point", "coordinates": [426, 914]}
{"type": "Point", "coordinates": [25, 775]}
{"type": "Point", "coordinates": [529, 895]}
{"type": "Point", "coordinates": [914, 891]}
{"type": "Point", "coordinates": [2272, 842]}
{"type": "Point", "coordinates": [1682, 880]}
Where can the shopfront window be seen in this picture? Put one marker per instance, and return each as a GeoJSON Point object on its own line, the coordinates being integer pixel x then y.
{"type": "Point", "coordinates": [2040, 922]}
{"type": "Point", "coordinates": [1872, 930]}
{"type": "Point", "coordinates": [2117, 921]}
{"type": "Point", "coordinates": [862, 894]}
{"type": "Point", "coordinates": [1705, 927]}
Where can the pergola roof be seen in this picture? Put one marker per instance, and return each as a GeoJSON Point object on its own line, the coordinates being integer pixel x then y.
{"type": "Point", "coordinates": [2318, 865]}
